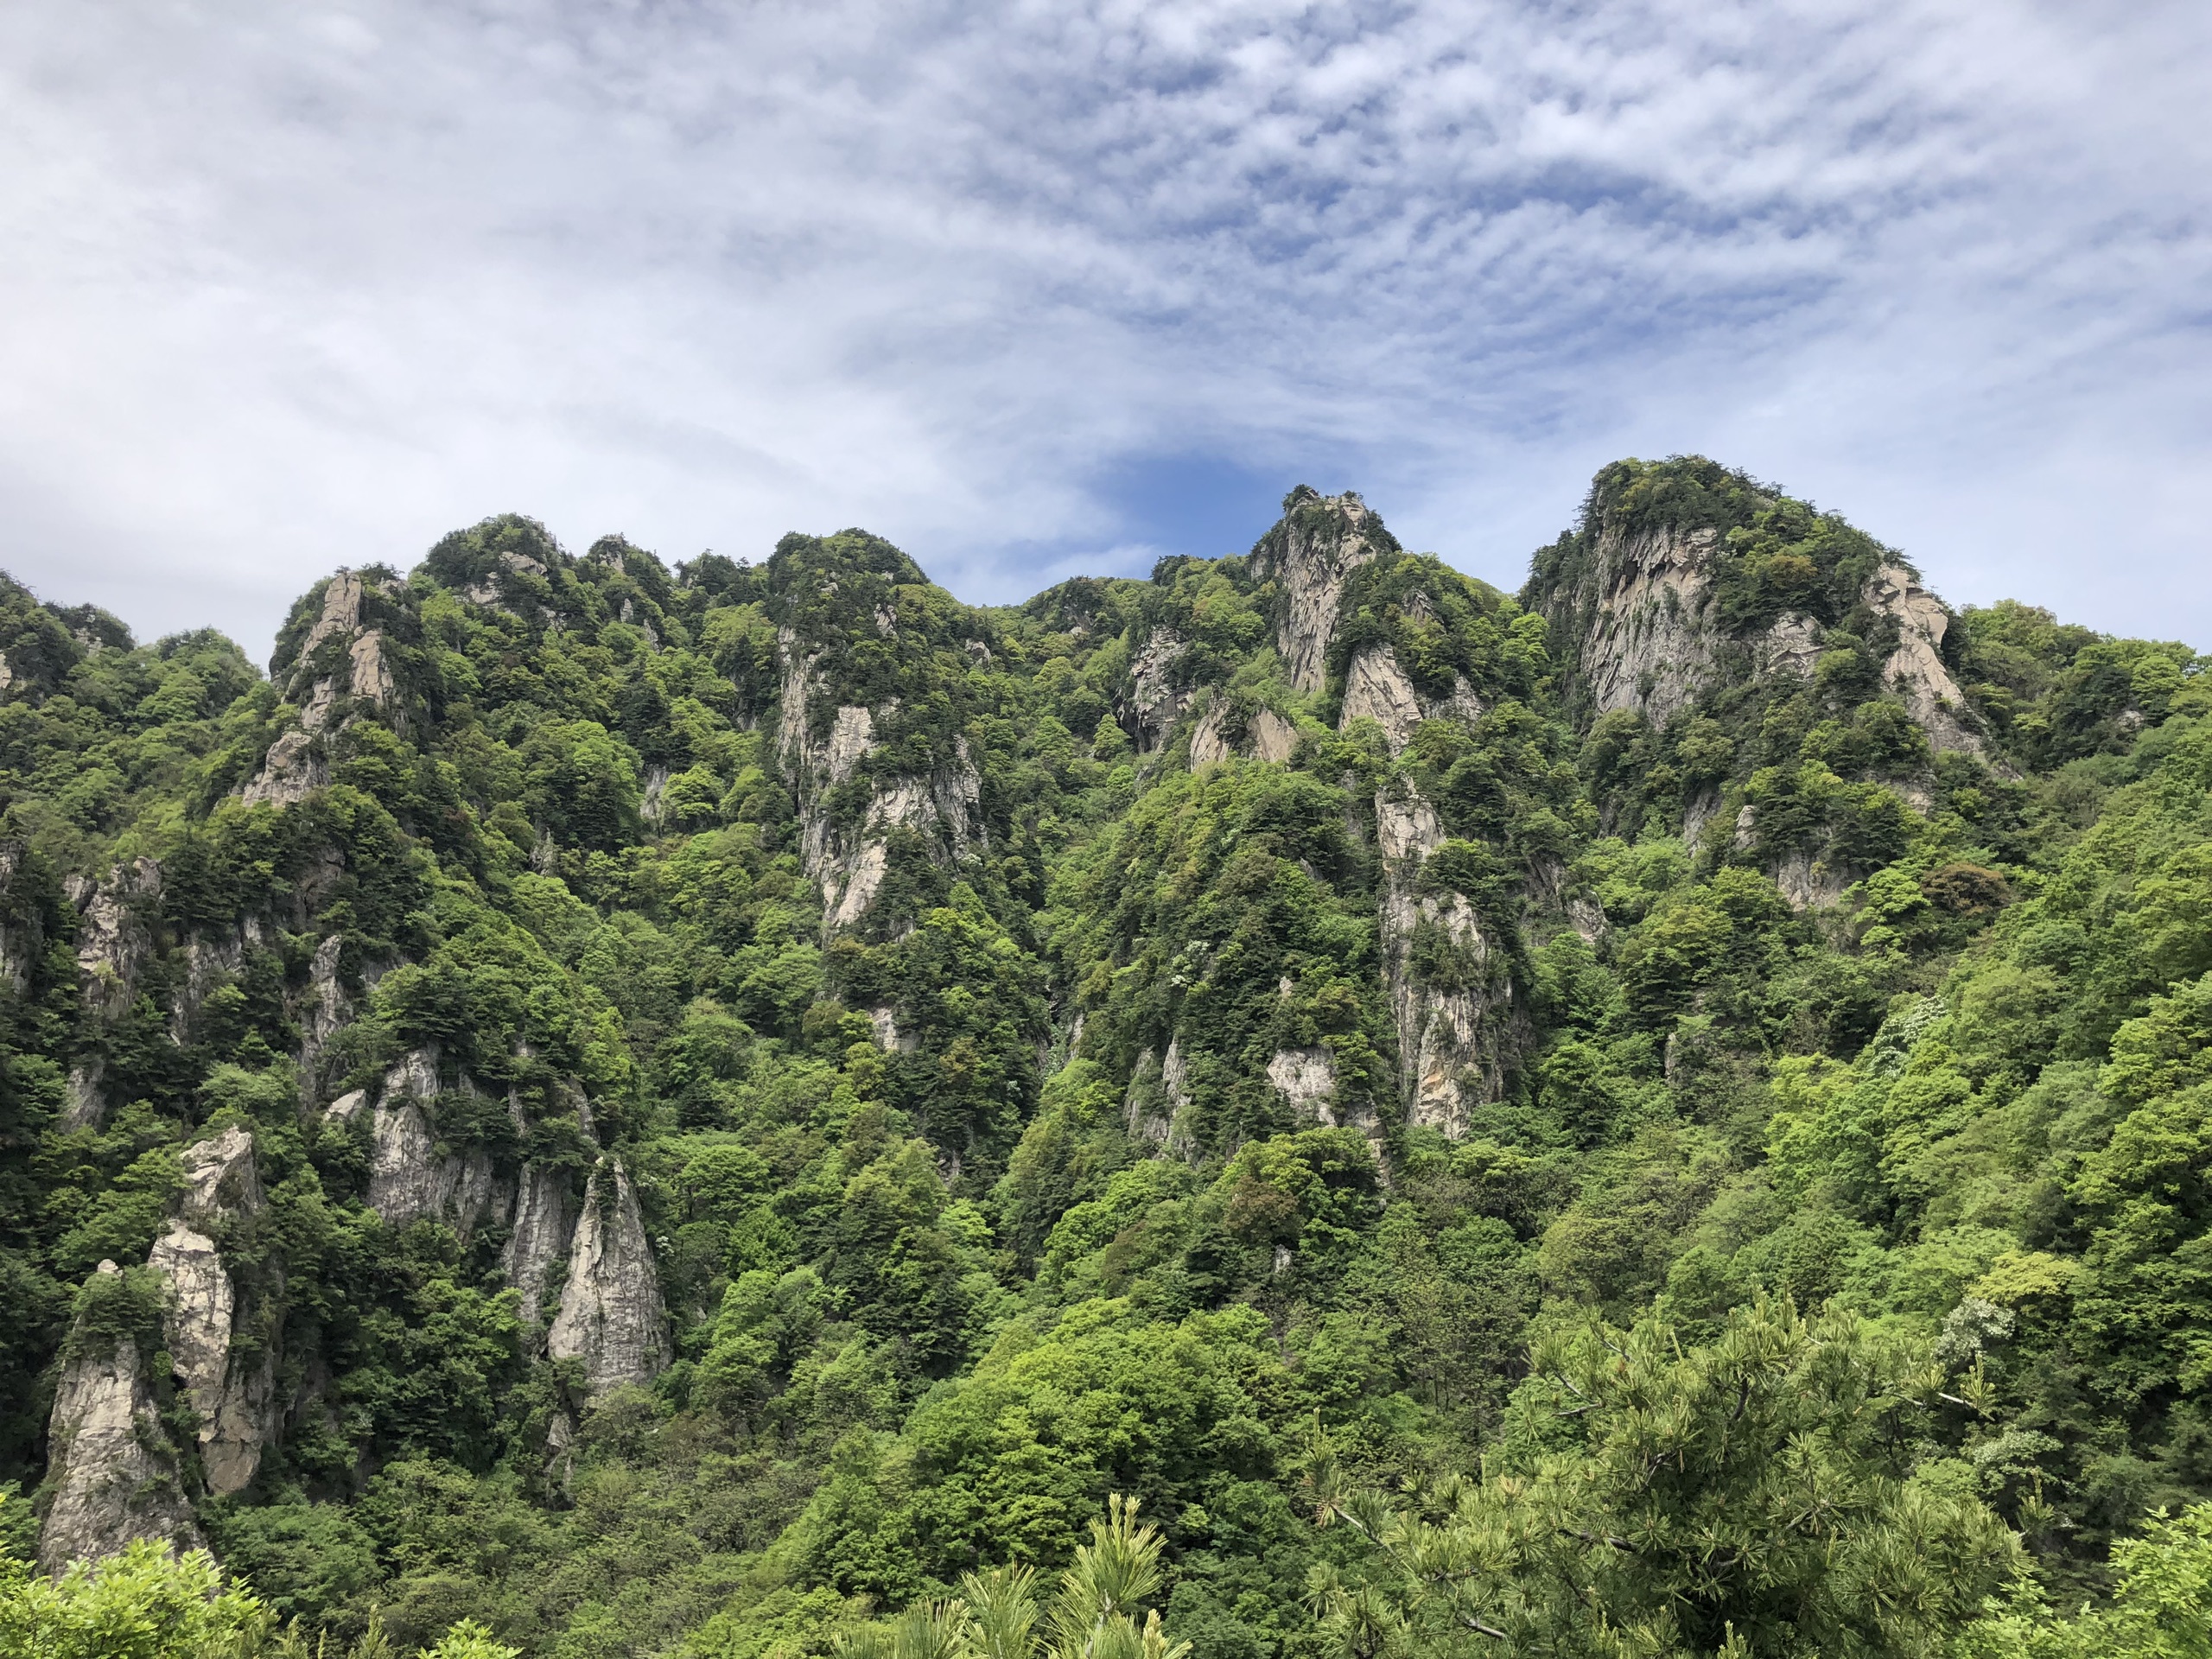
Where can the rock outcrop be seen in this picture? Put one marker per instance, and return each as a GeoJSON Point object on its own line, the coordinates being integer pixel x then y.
{"type": "Point", "coordinates": [209, 964]}
{"type": "Point", "coordinates": [112, 1473]}
{"type": "Point", "coordinates": [113, 937]}
{"type": "Point", "coordinates": [1650, 638]}
{"type": "Point", "coordinates": [321, 1012]}
{"type": "Point", "coordinates": [611, 1316]}
{"type": "Point", "coordinates": [545, 1223]}
{"type": "Point", "coordinates": [1914, 670]}
{"type": "Point", "coordinates": [230, 1390]}
{"type": "Point", "coordinates": [1376, 688]}
{"type": "Point", "coordinates": [1452, 1039]}
{"type": "Point", "coordinates": [1310, 554]}
{"type": "Point", "coordinates": [943, 805]}
{"type": "Point", "coordinates": [1306, 1077]}
{"type": "Point", "coordinates": [409, 1180]}
{"type": "Point", "coordinates": [1640, 619]}
{"type": "Point", "coordinates": [1266, 735]}
{"type": "Point", "coordinates": [340, 656]}
{"type": "Point", "coordinates": [1159, 1094]}
{"type": "Point", "coordinates": [115, 941]}
{"type": "Point", "coordinates": [1155, 700]}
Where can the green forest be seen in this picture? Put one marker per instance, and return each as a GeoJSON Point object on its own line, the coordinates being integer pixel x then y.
{"type": "Point", "coordinates": [1301, 1108]}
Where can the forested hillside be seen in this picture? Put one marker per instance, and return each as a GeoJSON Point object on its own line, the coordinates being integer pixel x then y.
{"type": "Point", "coordinates": [696, 1110]}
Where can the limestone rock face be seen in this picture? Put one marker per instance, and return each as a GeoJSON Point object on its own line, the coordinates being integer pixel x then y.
{"type": "Point", "coordinates": [209, 964]}
{"type": "Point", "coordinates": [1320, 542]}
{"type": "Point", "coordinates": [324, 1009]}
{"type": "Point", "coordinates": [1915, 668]}
{"type": "Point", "coordinates": [1809, 884]}
{"type": "Point", "coordinates": [1640, 623]}
{"type": "Point", "coordinates": [1376, 689]}
{"type": "Point", "coordinates": [944, 805]}
{"type": "Point", "coordinates": [1267, 736]}
{"type": "Point", "coordinates": [111, 1473]}
{"type": "Point", "coordinates": [1158, 1092]}
{"type": "Point", "coordinates": [543, 1224]}
{"type": "Point", "coordinates": [295, 766]}
{"type": "Point", "coordinates": [220, 1179]}
{"type": "Point", "coordinates": [1791, 646]}
{"type": "Point", "coordinates": [231, 1392]}
{"type": "Point", "coordinates": [291, 771]}
{"type": "Point", "coordinates": [1652, 641]}
{"type": "Point", "coordinates": [114, 943]}
{"type": "Point", "coordinates": [112, 938]}
{"type": "Point", "coordinates": [407, 1180]}
{"type": "Point", "coordinates": [611, 1316]}
{"type": "Point", "coordinates": [1451, 1039]}
{"type": "Point", "coordinates": [1155, 702]}
{"type": "Point", "coordinates": [1306, 1077]}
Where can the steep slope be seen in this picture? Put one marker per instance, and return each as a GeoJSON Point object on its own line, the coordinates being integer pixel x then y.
{"type": "Point", "coordinates": [658, 1108]}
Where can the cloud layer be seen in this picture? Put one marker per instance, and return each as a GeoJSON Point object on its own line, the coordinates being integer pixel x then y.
{"type": "Point", "coordinates": [1035, 288]}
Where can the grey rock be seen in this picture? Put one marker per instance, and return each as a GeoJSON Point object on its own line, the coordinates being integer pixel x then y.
{"type": "Point", "coordinates": [112, 1473]}
{"type": "Point", "coordinates": [1267, 736]}
{"type": "Point", "coordinates": [290, 771]}
{"type": "Point", "coordinates": [944, 805]}
{"type": "Point", "coordinates": [1915, 668]}
{"type": "Point", "coordinates": [232, 1393]}
{"type": "Point", "coordinates": [1311, 553]}
{"type": "Point", "coordinates": [1449, 1041]}
{"type": "Point", "coordinates": [1653, 639]}
{"type": "Point", "coordinates": [220, 1182]}
{"type": "Point", "coordinates": [1376, 688]}
{"type": "Point", "coordinates": [1307, 1078]}
{"type": "Point", "coordinates": [84, 1106]}
{"type": "Point", "coordinates": [112, 941]}
{"type": "Point", "coordinates": [341, 612]}
{"type": "Point", "coordinates": [544, 1226]}
{"type": "Point", "coordinates": [611, 1316]}
{"type": "Point", "coordinates": [321, 1011]}
{"type": "Point", "coordinates": [1155, 703]}
{"type": "Point", "coordinates": [409, 1182]}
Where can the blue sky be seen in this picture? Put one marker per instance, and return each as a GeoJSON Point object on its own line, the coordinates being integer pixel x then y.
{"type": "Point", "coordinates": [1037, 289]}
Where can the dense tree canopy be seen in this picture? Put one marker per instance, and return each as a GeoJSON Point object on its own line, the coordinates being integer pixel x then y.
{"type": "Point", "coordinates": [1476, 1172]}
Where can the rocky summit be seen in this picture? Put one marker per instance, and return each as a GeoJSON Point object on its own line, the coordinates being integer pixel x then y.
{"type": "Point", "coordinates": [699, 1109]}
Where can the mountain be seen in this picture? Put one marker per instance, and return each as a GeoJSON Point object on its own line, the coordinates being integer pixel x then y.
{"type": "Point", "coordinates": [670, 1110]}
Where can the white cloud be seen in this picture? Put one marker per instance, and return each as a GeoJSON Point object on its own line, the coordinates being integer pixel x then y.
{"type": "Point", "coordinates": [284, 287]}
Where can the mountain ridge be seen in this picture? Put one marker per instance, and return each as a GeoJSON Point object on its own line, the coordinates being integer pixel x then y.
{"type": "Point", "coordinates": [614, 989]}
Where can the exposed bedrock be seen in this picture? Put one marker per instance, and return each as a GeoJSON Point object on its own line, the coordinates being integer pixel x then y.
{"type": "Point", "coordinates": [112, 1473]}
{"type": "Point", "coordinates": [1453, 1034]}
{"type": "Point", "coordinates": [849, 854]}
{"type": "Point", "coordinates": [611, 1316]}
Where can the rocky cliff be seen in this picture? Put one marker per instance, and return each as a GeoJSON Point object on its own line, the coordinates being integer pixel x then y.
{"type": "Point", "coordinates": [645, 941]}
{"type": "Point", "coordinates": [112, 1472]}
{"type": "Point", "coordinates": [611, 1318]}
{"type": "Point", "coordinates": [1310, 555]}
{"type": "Point", "coordinates": [1687, 580]}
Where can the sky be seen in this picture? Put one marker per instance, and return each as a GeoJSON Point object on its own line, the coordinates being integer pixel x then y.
{"type": "Point", "coordinates": [1042, 289]}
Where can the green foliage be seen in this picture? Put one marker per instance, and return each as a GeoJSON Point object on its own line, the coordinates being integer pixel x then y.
{"type": "Point", "coordinates": [998, 1615]}
{"type": "Point", "coordinates": [2161, 1604]}
{"type": "Point", "coordinates": [1080, 1164]}
{"type": "Point", "coordinates": [1754, 1495]}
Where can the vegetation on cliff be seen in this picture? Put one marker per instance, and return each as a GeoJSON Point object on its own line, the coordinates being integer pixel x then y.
{"type": "Point", "coordinates": [1664, 1114]}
